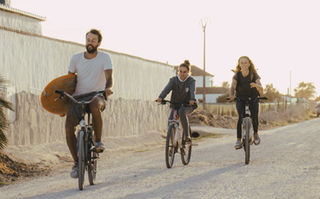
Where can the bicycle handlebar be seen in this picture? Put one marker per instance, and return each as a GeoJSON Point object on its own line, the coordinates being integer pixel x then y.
{"type": "Point", "coordinates": [163, 101]}
{"type": "Point", "coordinates": [62, 94]}
{"type": "Point", "coordinates": [259, 98]}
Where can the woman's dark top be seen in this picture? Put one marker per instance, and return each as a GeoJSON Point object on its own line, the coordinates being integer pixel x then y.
{"type": "Point", "coordinates": [243, 90]}
{"type": "Point", "coordinates": [182, 91]}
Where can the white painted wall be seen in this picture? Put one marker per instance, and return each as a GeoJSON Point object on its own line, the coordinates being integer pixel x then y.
{"type": "Point", "coordinates": [20, 22]}
{"type": "Point", "coordinates": [30, 62]}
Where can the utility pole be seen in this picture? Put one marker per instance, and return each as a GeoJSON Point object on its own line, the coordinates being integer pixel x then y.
{"type": "Point", "coordinates": [290, 83]}
{"type": "Point", "coordinates": [204, 25]}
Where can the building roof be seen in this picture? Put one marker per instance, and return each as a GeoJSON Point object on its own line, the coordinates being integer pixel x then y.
{"type": "Point", "coordinates": [212, 90]}
{"type": "Point", "coordinates": [196, 71]}
{"type": "Point", "coordinates": [20, 12]}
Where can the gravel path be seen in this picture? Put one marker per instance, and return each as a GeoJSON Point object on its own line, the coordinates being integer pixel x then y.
{"type": "Point", "coordinates": [285, 165]}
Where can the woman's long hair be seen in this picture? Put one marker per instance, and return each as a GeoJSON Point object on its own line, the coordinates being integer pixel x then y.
{"type": "Point", "coordinates": [252, 68]}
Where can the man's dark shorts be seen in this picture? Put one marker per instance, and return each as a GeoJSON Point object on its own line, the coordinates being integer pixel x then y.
{"type": "Point", "coordinates": [76, 110]}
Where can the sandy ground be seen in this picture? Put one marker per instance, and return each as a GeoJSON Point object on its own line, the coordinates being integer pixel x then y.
{"type": "Point", "coordinates": [19, 163]}
{"type": "Point", "coordinates": [284, 165]}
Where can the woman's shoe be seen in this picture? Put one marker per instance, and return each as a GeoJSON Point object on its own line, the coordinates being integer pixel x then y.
{"type": "Point", "coordinates": [256, 138]}
{"type": "Point", "coordinates": [238, 145]}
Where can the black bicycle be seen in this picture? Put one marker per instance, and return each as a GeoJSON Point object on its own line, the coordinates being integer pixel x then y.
{"type": "Point", "coordinates": [176, 140]}
{"type": "Point", "coordinates": [247, 129]}
{"type": "Point", "coordinates": [87, 155]}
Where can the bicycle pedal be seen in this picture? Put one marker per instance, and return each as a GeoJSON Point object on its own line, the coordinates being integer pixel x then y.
{"type": "Point", "coordinates": [98, 150]}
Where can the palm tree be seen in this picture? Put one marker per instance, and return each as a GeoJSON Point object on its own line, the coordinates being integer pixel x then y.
{"type": "Point", "coordinates": [3, 118]}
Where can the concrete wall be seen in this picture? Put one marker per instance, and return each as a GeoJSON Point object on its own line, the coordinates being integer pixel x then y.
{"type": "Point", "coordinates": [19, 22]}
{"type": "Point", "coordinates": [30, 62]}
{"type": "Point", "coordinates": [34, 125]}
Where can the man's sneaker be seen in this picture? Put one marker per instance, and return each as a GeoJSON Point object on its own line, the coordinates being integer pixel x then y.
{"type": "Point", "coordinates": [238, 145]}
{"type": "Point", "coordinates": [99, 146]}
{"type": "Point", "coordinates": [75, 170]}
{"type": "Point", "coordinates": [256, 138]}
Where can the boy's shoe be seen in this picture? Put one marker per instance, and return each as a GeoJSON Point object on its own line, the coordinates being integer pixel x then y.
{"type": "Point", "coordinates": [75, 170]}
{"type": "Point", "coordinates": [256, 138]}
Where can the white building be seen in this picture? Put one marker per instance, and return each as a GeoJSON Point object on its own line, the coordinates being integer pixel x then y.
{"type": "Point", "coordinates": [30, 61]}
{"type": "Point", "coordinates": [212, 93]}
{"type": "Point", "coordinates": [13, 19]}
{"type": "Point", "coordinates": [197, 74]}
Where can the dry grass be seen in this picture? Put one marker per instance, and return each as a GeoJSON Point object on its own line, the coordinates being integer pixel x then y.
{"type": "Point", "coordinates": [11, 171]}
{"type": "Point", "coordinates": [267, 120]}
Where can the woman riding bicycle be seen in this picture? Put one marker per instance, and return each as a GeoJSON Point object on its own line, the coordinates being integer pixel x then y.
{"type": "Point", "coordinates": [183, 92]}
{"type": "Point", "coordinates": [245, 86]}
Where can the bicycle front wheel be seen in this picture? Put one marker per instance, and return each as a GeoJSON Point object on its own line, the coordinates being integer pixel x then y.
{"type": "Point", "coordinates": [186, 149]}
{"type": "Point", "coordinates": [81, 159]}
{"type": "Point", "coordinates": [92, 167]}
{"type": "Point", "coordinates": [247, 141]}
{"type": "Point", "coordinates": [170, 146]}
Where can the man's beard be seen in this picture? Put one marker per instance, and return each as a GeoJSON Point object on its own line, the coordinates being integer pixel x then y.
{"type": "Point", "coordinates": [92, 50]}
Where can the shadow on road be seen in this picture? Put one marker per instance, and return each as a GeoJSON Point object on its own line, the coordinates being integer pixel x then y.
{"type": "Point", "coordinates": [186, 183]}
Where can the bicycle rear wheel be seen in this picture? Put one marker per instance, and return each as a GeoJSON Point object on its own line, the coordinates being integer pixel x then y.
{"type": "Point", "coordinates": [186, 149]}
{"type": "Point", "coordinates": [170, 148]}
{"type": "Point", "coordinates": [81, 159]}
{"type": "Point", "coordinates": [247, 141]}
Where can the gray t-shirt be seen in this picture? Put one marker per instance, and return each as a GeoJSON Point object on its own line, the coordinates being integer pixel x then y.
{"type": "Point", "coordinates": [90, 72]}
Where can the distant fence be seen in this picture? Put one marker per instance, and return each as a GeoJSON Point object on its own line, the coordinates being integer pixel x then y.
{"type": "Point", "coordinates": [230, 108]}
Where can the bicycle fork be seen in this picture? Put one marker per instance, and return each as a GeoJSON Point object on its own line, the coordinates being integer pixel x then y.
{"type": "Point", "coordinates": [247, 125]}
{"type": "Point", "coordinates": [177, 134]}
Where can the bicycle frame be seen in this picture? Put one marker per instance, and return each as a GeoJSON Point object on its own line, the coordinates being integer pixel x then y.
{"type": "Point", "coordinates": [246, 128]}
{"type": "Point", "coordinates": [176, 140]}
{"type": "Point", "coordinates": [86, 152]}
{"type": "Point", "coordinates": [247, 120]}
{"type": "Point", "coordinates": [86, 127]}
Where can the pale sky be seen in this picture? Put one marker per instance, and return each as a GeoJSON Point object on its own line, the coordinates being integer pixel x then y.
{"type": "Point", "coordinates": [278, 35]}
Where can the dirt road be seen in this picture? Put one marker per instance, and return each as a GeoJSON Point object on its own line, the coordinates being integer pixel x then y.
{"type": "Point", "coordinates": [285, 165]}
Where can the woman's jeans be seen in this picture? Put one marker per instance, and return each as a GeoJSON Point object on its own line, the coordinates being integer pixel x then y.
{"type": "Point", "coordinates": [254, 110]}
{"type": "Point", "coordinates": [182, 112]}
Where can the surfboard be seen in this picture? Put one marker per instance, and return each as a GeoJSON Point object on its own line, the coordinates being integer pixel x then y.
{"type": "Point", "coordinates": [51, 102]}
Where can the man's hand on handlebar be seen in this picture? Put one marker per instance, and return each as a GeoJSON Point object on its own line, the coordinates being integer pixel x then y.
{"type": "Point", "coordinates": [159, 100]}
{"type": "Point", "coordinates": [191, 102]}
{"type": "Point", "coordinates": [108, 92]}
